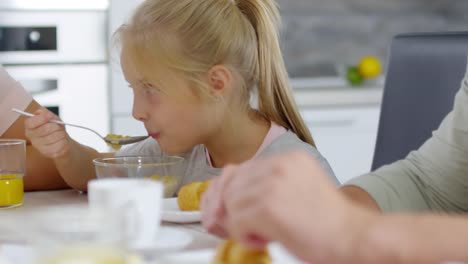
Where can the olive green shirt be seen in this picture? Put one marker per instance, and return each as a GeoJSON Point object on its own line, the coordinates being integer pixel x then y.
{"type": "Point", "coordinates": [434, 177]}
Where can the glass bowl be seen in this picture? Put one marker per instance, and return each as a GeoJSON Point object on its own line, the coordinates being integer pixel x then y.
{"type": "Point", "coordinates": [164, 168]}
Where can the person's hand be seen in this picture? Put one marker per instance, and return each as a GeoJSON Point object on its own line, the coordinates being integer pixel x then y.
{"type": "Point", "coordinates": [212, 206]}
{"type": "Point", "coordinates": [50, 139]}
{"type": "Point", "coordinates": [286, 198]}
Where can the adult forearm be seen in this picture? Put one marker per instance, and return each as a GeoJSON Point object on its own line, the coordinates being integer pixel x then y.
{"type": "Point", "coordinates": [408, 239]}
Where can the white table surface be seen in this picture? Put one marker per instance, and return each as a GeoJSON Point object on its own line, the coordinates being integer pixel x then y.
{"type": "Point", "coordinates": [14, 221]}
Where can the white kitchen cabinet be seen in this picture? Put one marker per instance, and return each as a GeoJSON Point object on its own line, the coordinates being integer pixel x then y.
{"type": "Point", "coordinates": [345, 136]}
{"type": "Point", "coordinates": [78, 91]}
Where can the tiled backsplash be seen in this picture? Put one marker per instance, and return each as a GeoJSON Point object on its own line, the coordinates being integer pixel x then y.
{"type": "Point", "coordinates": [319, 34]}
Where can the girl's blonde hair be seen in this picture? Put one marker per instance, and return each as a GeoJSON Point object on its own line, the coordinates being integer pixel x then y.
{"type": "Point", "coordinates": [192, 36]}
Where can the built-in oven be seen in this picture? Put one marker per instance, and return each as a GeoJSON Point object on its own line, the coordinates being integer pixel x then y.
{"type": "Point", "coordinates": [44, 37]}
{"type": "Point", "coordinates": [60, 57]}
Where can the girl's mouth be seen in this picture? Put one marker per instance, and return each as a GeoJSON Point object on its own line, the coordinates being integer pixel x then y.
{"type": "Point", "coordinates": [155, 135]}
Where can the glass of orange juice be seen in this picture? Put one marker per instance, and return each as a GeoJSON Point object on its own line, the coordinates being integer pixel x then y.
{"type": "Point", "coordinates": [12, 168]}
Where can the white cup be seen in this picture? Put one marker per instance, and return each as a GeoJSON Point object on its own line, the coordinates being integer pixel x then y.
{"type": "Point", "coordinates": [139, 200]}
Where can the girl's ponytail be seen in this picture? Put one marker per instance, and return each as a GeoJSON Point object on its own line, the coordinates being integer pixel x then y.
{"type": "Point", "coordinates": [275, 99]}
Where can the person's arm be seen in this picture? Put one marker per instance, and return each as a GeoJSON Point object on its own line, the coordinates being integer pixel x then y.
{"type": "Point", "coordinates": [41, 173]}
{"type": "Point", "coordinates": [434, 177]}
{"type": "Point", "coordinates": [77, 166]}
{"type": "Point", "coordinates": [408, 239]}
{"type": "Point", "coordinates": [72, 160]}
{"type": "Point", "coordinates": [360, 197]}
{"type": "Point", "coordinates": [276, 199]}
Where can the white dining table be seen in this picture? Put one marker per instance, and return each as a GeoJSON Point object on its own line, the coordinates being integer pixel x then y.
{"type": "Point", "coordinates": [13, 223]}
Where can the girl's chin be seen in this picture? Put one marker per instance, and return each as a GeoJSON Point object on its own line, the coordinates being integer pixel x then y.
{"type": "Point", "coordinates": [172, 150]}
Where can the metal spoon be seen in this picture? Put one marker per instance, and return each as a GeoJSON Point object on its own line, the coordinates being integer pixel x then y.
{"type": "Point", "coordinates": [122, 141]}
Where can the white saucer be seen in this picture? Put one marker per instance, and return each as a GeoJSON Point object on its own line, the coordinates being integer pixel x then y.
{"type": "Point", "coordinates": [172, 213]}
{"type": "Point", "coordinates": [169, 240]}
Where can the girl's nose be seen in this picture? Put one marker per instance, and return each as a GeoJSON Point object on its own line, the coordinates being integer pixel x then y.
{"type": "Point", "coordinates": [138, 115]}
{"type": "Point", "coordinates": [138, 111]}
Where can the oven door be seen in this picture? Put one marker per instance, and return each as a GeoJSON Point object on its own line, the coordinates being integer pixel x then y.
{"type": "Point", "coordinates": [77, 92]}
{"type": "Point", "coordinates": [29, 37]}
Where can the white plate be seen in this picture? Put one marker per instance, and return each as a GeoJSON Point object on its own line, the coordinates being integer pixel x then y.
{"type": "Point", "coordinates": [169, 240]}
{"type": "Point", "coordinates": [172, 213]}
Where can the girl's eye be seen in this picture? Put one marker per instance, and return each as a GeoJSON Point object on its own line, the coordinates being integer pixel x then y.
{"type": "Point", "coordinates": [150, 89]}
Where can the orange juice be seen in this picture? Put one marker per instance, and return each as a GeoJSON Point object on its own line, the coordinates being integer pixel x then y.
{"type": "Point", "coordinates": [11, 190]}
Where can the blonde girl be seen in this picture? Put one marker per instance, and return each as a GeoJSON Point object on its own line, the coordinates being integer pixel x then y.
{"type": "Point", "coordinates": [193, 67]}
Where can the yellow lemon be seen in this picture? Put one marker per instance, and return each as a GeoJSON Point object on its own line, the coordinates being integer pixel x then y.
{"type": "Point", "coordinates": [232, 252]}
{"type": "Point", "coordinates": [369, 67]}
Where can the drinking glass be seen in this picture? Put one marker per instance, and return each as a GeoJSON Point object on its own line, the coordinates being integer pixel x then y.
{"type": "Point", "coordinates": [12, 169]}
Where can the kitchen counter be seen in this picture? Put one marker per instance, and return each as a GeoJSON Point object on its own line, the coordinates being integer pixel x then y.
{"type": "Point", "coordinates": [338, 96]}
{"type": "Point", "coordinates": [332, 91]}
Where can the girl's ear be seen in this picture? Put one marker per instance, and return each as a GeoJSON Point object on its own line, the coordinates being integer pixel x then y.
{"type": "Point", "coordinates": [220, 80]}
